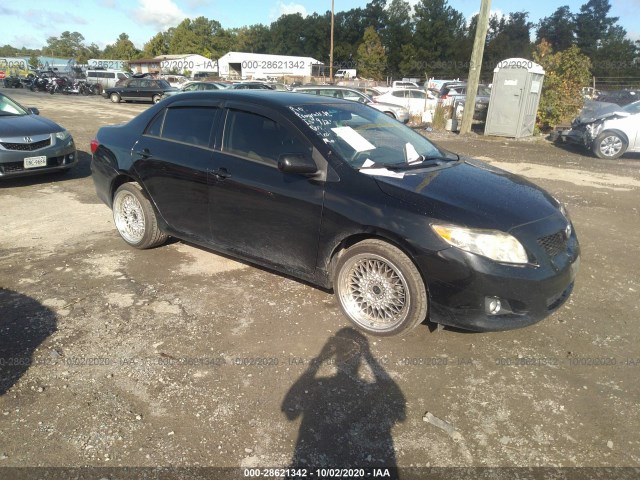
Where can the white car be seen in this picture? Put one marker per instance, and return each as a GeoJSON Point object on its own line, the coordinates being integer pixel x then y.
{"type": "Point", "coordinates": [415, 100]}
{"type": "Point", "coordinates": [608, 130]}
{"type": "Point", "coordinates": [393, 110]}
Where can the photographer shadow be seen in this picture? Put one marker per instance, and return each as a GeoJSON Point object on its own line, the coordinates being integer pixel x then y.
{"type": "Point", "coordinates": [346, 419]}
{"type": "Point", "coordinates": [24, 325]}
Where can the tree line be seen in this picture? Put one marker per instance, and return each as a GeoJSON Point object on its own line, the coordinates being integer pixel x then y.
{"type": "Point", "coordinates": [386, 38]}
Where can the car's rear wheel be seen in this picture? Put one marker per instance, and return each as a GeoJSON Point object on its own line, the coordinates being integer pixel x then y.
{"type": "Point", "coordinates": [135, 218]}
{"type": "Point", "coordinates": [115, 98]}
{"type": "Point", "coordinates": [380, 289]}
{"type": "Point", "coordinates": [156, 98]}
{"type": "Point", "coordinates": [609, 145]}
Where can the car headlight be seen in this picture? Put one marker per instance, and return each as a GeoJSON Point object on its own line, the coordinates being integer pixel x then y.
{"type": "Point", "coordinates": [493, 244]}
{"type": "Point", "coordinates": [63, 135]}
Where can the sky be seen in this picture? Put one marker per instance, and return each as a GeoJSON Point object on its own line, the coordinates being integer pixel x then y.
{"type": "Point", "coordinates": [102, 21]}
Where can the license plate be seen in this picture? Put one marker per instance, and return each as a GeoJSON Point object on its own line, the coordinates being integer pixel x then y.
{"type": "Point", "coordinates": [34, 162]}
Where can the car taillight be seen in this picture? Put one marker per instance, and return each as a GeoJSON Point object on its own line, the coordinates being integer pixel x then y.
{"type": "Point", "coordinates": [94, 145]}
{"type": "Point", "coordinates": [444, 97]}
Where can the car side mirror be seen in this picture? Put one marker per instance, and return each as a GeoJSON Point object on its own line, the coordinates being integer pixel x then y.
{"type": "Point", "coordinates": [33, 111]}
{"type": "Point", "coordinates": [297, 163]}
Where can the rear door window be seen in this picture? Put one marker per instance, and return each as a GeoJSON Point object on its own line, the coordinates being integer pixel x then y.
{"type": "Point", "coordinates": [191, 125]}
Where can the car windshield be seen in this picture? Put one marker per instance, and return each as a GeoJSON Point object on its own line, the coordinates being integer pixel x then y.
{"type": "Point", "coordinates": [484, 91]}
{"type": "Point", "coordinates": [9, 107]}
{"type": "Point", "coordinates": [632, 108]}
{"type": "Point", "coordinates": [364, 137]}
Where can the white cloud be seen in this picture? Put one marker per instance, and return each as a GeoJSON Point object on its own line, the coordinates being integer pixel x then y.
{"type": "Point", "coordinates": [286, 9]}
{"type": "Point", "coordinates": [161, 14]}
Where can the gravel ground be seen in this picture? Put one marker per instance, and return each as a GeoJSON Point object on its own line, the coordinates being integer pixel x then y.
{"type": "Point", "coordinates": [179, 357]}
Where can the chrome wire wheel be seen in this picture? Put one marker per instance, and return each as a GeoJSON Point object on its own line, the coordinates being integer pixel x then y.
{"type": "Point", "coordinates": [374, 292]}
{"type": "Point", "coordinates": [129, 217]}
{"type": "Point", "coordinates": [610, 146]}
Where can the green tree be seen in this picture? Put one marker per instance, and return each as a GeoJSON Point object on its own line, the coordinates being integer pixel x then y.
{"type": "Point", "coordinates": [69, 44]}
{"type": "Point", "coordinates": [371, 57]}
{"type": "Point", "coordinates": [566, 73]}
{"type": "Point", "coordinates": [122, 49]}
{"type": "Point", "coordinates": [438, 31]}
{"type": "Point", "coordinates": [33, 61]}
{"type": "Point", "coordinates": [558, 29]}
{"type": "Point", "coordinates": [396, 35]}
{"type": "Point", "coordinates": [157, 45]}
{"type": "Point", "coordinates": [508, 38]}
{"type": "Point", "coordinates": [408, 65]}
{"type": "Point", "coordinates": [288, 35]}
{"type": "Point", "coordinates": [593, 25]}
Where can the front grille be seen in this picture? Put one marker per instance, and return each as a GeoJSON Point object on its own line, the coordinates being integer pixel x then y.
{"type": "Point", "coordinates": [26, 147]}
{"type": "Point", "coordinates": [554, 244]}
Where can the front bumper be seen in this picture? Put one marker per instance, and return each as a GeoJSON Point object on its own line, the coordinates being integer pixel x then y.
{"type": "Point", "coordinates": [61, 155]}
{"type": "Point", "coordinates": [462, 284]}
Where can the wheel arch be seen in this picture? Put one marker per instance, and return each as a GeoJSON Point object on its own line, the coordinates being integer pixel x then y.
{"type": "Point", "coordinates": [124, 177]}
{"type": "Point", "coordinates": [373, 234]}
{"type": "Point", "coordinates": [617, 132]}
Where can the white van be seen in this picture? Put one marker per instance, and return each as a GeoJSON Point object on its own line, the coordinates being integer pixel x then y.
{"type": "Point", "coordinates": [106, 78]}
{"type": "Point", "coordinates": [345, 73]}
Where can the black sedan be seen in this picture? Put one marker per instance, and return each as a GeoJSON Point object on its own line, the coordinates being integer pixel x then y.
{"type": "Point", "coordinates": [31, 144]}
{"type": "Point", "coordinates": [139, 90]}
{"type": "Point", "coordinates": [340, 195]}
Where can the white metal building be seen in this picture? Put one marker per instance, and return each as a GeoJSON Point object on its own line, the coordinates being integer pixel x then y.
{"type": "Point", "coordinates": [263, 66]}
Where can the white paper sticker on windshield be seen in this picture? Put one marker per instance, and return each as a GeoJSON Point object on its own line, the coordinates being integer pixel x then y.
{"type": "Point", "coordinates": [353, 138]}
{"type": "Point", "coordinates": [379, 172]}
{"type": "Point", "coordinates": [411, 152]}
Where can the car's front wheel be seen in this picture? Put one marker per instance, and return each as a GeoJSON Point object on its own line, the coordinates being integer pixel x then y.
{"type": "Point", "coordinates": [380, 289]}
{"type": "Point", "coordinates": [115, 98]}
{"type": "Point", "coordinates": [135, 218]}
{"type": "Point", "coordinates": [156, 98]}
{"type": "Point", "coordinates": [609, 145]}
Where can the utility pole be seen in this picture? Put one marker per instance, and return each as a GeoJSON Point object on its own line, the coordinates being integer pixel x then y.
{"type": "Point", "coordinates": [331, 49]}
{"type": "Point", "coordinates": [476, 66]}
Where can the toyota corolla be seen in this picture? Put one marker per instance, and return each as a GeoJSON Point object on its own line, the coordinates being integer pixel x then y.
{"type": "Point", "coordinates": [340, 195]}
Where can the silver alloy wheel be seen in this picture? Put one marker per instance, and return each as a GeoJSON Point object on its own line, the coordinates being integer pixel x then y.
{"type": "Point", "coordinates": [129, 217]}
{"type": "Point", "coordinates": [374, 292]}
{"type": "Point", "coordinates": [610, 145]}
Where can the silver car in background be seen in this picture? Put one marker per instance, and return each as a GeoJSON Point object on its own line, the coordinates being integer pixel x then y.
{"type": "Point", "coordinates": [395, 111]}
{"type": "Point", "coordinates": [606, 129]}
{"type": "Point", "coordinates": [31, 144]}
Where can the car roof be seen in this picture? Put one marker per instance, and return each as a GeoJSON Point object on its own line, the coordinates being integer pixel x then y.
{"type": "Point", "coordinates": [324, 87]}
{"type": "Point", "coordinates": [268, 98]}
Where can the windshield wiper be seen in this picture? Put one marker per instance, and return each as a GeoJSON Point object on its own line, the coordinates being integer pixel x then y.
{"type": "Point", "coordinates": [422, 162]}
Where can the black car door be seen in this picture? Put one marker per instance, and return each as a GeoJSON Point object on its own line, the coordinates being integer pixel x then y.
{"type": "Point", "coordinates": [131, 90]}
{"type": "Point", "coordinates": [172, 159]}
{"type": "Point", "coordinates": [256, 210]}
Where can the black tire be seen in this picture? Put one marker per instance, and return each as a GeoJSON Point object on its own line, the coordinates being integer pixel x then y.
{"type": "Point", "coordinates": [131, 206]}
{"type": "Point", "coordinates": [156, 98]}
{"type": "Point", "coordinates": [379, 289]}
{"type": "Point", "coordinates": [390, 114]}
{"type": "Point", "coordinates": [609, 145]}
{"type": "Point", "coordinates": [115, 98]}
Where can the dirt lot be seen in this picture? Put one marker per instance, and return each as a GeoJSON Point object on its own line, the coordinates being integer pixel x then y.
{"type": "Point", "coordinates": [178, 356]}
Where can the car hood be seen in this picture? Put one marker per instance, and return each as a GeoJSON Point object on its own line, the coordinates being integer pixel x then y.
{"type": "Point", "coordinates": [593, 111]}
{"type": "Point", "coordinates": [473, 194]}
{"type": "Point", "coordinates": [26, 125]}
